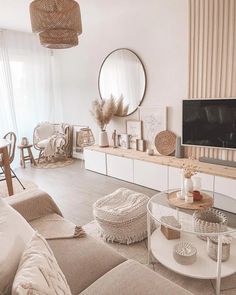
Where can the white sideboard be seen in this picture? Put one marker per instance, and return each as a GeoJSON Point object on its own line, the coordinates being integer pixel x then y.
{"type": "Point", "coordinates": [161, 173]}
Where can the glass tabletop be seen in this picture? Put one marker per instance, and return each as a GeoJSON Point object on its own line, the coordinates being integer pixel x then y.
{"type": "Point", "coordinates": [162, 211]}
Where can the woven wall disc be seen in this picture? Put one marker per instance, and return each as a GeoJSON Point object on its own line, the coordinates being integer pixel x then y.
{"type": "Point", "coordinates": [165, 142]}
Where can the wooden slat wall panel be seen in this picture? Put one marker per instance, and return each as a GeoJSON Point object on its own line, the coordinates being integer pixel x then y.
{"type": "Point", "coordinates": [212, 58]}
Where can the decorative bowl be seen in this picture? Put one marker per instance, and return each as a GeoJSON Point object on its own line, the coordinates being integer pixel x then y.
{"type": "Point", "coordinates": [185, 253]}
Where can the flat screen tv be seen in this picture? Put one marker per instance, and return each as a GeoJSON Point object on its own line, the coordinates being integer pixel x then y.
{"type": "Point", "coordinates": [209, 122]}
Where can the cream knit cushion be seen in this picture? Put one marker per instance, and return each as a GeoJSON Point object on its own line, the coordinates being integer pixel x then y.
{"type": "Point", "coordinates": [38, 271]}
{"type": "Point", "coordinates": [15, 233]}
{"type": "Point", "coordinates": [122, 216]}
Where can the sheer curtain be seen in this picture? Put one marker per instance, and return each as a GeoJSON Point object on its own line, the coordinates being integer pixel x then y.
{"type": "Point", "coordinates": [26, 84]}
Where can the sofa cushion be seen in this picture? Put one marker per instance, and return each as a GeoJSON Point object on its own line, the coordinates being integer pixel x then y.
{"type": "Point", "coordinates": [38, 271]}
{"type": "Point", "coordinates": [84, 260]}
{"type": "Point", "coordinates": [43, 143]}
{"type": "Point", "coordinates": [133, 278]}
{"type": "Point", "coordinates": [15, 233]}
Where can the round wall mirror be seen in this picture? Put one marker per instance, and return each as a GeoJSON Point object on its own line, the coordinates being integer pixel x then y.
{"type": "Point", "coordinates": [122, 76]}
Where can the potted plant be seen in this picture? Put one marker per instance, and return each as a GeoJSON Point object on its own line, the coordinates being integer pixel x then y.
{"type": "Point", "coordinates": [103, 111]}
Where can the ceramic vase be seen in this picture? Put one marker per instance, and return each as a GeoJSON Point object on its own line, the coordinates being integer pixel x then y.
{"type": "Point", "coordinates": [103, 139]}
{"type": "Point", "coordinates": [188, 185]}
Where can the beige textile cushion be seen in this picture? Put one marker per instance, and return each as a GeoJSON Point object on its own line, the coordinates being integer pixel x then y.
{"type": "Point", "coordinates": [43, 143]}
{"type": "Point", "coordinates": [132, 278]}
{"type": "Point", "coordinates": [44, 130]}
{"type": "Point", "coordinates": [15, 233]}
{"type": "Point", "coordinates": [38, 271]}
{"type": "Point", "coordinates": [122, 216]}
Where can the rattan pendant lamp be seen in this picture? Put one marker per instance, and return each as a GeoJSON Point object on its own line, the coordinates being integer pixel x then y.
{"type": "Point", "coordinates": [58, 22]}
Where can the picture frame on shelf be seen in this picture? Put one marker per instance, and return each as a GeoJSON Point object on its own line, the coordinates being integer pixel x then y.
{"type": "Point", "coordinates": [140, 145]}
{"type": "Point", "coordinates": [124, 141]}
{"type": "Point", "coordinates": [154, 120]}
{"type": "Point", "coordinates": [134, 129]}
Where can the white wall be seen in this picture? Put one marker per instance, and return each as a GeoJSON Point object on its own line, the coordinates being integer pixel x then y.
{"type": "Point", "coordinates": [157, 30]}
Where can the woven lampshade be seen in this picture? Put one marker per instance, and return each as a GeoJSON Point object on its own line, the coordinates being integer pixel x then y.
{"type": "Point", "coordinates": [57, 21]}
{"type": "Point", "coordinates": [67, 39]}
{"type": "Point", "coordinates": [84, 137]}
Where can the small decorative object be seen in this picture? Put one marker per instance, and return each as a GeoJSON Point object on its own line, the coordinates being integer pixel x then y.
{"type": "Point", "coordinates": [154, 121]}
{"type": "Point", "coordinates": [179, 151]}
{"type": "Point", "coordinates": [134, 129]}
{"type": "Point", "coordinates": [103, 111]}
{"type": "Point", "coordinates": [197, 196]}
{"type": "Point", "coordinates": [175, 201]}
{"type": "Point", "coordinates": [150, 152]}
{"type": "Point", "coordinates": [115, 139]}
{"type": "Point", "coordinates": [185, 253]}
{"type": "Point", "coordinates": [169, 233]}
{"type": "Point", "coordinates": [140, 145]}
{"type": "Point", "coordinates": [197, 183]}
{"type": "Point", "coordinates": [188, 198]}
{"type": "Point", "coordinates": [212, 247]}
{"type": "Point", "coordinates": [84, 137]}
{"type": "Point", "coordinates": [165, 142]}
{"type": "Point", "coordinates": [57, 22]}
{"type": "Point", "coordinates": [123, 140]}
{"type": "Point", "coordinates": [209, 221]}
{"type": "Point", "coordinates": [189, 170]}
{"type": "Point", "coordinates": [24, 141]}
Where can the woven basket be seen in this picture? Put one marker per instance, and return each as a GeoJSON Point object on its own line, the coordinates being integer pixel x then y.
{"type": "Point", "coordinates": [209, 221]}
{"type": "Point", "coordinates": [165, 142]}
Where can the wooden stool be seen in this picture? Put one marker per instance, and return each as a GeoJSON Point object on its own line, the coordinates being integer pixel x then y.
{"type": "Point", "coordinates": [28, 157]}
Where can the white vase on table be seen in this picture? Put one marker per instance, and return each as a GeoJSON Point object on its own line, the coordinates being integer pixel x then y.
{"type": "Point", "coordinates": [188, 185]}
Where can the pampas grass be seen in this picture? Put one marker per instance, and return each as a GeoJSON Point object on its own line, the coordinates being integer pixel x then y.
{"type": "Point", "coordinates": [103, 111]}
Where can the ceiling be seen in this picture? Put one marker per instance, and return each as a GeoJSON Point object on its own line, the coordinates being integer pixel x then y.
{"type": "Point", "coordinates": [14, 15]}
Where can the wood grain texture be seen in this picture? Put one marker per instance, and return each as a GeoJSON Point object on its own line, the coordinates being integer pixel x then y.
{"type": "Point", "coordinates": [212, 58]}
{"type": "Point", "coordinates": [212, 169]}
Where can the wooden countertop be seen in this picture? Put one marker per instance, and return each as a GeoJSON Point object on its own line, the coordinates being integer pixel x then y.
{"type": "Point", "coordinates": [212, 169]}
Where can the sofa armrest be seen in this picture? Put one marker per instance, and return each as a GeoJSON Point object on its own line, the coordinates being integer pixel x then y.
{"type": "Point", "coordinates": [33, 204]}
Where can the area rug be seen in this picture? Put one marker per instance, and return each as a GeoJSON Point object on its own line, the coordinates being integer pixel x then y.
{"type": "Point", "coordinates": [17, 188]}
{"type": "Point", "coordinates": [57, 163]}
{"type": "Point", "coordinates": [139, 252]}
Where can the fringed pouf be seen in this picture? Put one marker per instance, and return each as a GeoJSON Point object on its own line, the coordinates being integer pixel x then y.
{"type": "Point", "coordinates": [122, 216]}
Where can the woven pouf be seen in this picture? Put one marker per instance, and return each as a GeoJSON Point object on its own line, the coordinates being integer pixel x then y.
{"type": "Point", "coordinates": [122, 216]}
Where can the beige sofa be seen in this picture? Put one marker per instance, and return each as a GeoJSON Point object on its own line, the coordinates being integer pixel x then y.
{"type": "Point", "coordinates": [91, 267]}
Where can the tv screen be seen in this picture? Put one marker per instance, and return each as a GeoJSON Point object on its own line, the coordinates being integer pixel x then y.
{"type": "Point", "coordinates": [209, 122]}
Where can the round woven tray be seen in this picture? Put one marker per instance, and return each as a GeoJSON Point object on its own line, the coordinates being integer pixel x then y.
{"type": "Point", "coordinates": [165, 142]}
{"type": "Point", "coordinates": [206, 202]}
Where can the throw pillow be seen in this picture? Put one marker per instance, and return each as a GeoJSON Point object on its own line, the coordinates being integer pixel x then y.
{"type": "Point", "coordinates": [15, 233]}
{"type": "Point", "coordinates": [39, 272]}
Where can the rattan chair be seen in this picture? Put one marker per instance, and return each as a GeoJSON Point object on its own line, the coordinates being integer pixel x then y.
{"type": "Point", "coordinates": [44, 131]}
{"type": "Point", "coordinates": [11, 138]}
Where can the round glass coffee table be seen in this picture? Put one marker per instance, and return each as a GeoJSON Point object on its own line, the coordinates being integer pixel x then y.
{"type": "Point", "coordinates": [159, 210]}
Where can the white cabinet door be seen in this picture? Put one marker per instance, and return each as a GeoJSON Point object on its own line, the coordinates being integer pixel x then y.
{"type": "Point", "coordinates": [95, 161]}
{"type": "Point", "coordinates": [120, 167]}
{"type": "Point", "coordinates": [151, 175]}
{"type": "Point", "coordinates": [174, 178]}
{"type": "Point", "coordinates": [227, 187]}
{"type": "Point", "coordinates": [207, 181]}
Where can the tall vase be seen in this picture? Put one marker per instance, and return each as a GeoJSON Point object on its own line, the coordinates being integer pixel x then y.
{"type": "Point", "coordinates": [103, 139]}
{"type": "Point", "coordinates": [188, 185]}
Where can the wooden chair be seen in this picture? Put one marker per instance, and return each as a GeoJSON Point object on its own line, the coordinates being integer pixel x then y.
{"type": "Point", "coordinates": [11, 138]}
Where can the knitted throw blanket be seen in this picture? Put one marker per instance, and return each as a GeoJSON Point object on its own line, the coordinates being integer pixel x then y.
{"type": "Point", "coordinates": [53, 227]}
